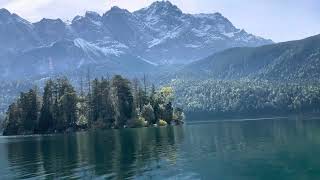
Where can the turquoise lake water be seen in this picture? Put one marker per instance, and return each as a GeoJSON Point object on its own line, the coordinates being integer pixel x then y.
{"type": "Point", "coordinates": [254, 149]}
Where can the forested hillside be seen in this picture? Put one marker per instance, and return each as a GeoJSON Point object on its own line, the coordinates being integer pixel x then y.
{"type": "Point", "coordinates": [295, 61]}
{"type": "Point", "coordinates": [246, 97]}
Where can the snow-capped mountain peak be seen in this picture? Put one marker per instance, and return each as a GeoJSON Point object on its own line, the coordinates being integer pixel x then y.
{"type": "Point", "coordinates": [7, 17]}
{"type": "Point", "coordinates": [159, 8]}
{"type": "Point", "coordinates": [92, 14]}
{"type": "Point", "coordinates": [116, 10]}
{"type": "Point", "coordinates": [57, 22]}
{"type": "Point", "coordinates": [163, 7]}
{"type": "Point", "coordinates": [158, 34]}
{"type": "Point", "coordinates": [4, 12]}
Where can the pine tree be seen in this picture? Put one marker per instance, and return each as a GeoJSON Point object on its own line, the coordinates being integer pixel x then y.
{"type": "Point", "coordinates": [32, 110]}
{"type": "Point", "coordinates": [68, 105]}
{"type": "Point", "coordinates": [107, 111]}
{"type": "Point", "coordinates": [29, 110]}
{"type": "Point", "coordinates": [65, 105]}
{"type": "Point", "coordinates": [135, 93]}
{"type": "Point", "coordinates": [11, 125]}
{"type": "Point", "coordinates": [167, 114]}
{"type": "Point", "coordinates": [46, 120]}
{"type": "Point", "coordinates": [96, 98]}
{"type": "Point", "coordinates": [155, 104]}
{"type": "Point", "coordinates": [22, 116]}
{"type": "Point", "coordinates": [122, 101]}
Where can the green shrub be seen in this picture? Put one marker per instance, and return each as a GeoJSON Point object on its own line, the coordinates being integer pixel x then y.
{"type": "Point", "coordinates": [148, 114]}
{"type": "Point", "coordinates": [82, 121]}
{"type": "Point", "coordinates": [140, 122]}
{"type": "Point", "coordinates": [162, 123]}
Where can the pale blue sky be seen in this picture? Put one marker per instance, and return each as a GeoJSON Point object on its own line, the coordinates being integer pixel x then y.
{"type": "Point", "coordinates": [280, 20]}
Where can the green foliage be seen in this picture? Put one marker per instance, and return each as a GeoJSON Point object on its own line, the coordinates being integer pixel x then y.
{"type": "Point", "coordinates": [162, 123]}
{"type": "Point", "coordinates": [68, 109]}
{"type": "Point", "coordinates": [22, 116]}
{"type": "Point", "coordinates": [9, 90]}
{"type": "Point", "coordinates": [166, 95]}
{"type": "Point", "coordinates": [83, 121]}
{"type": "Point", "coordinates": [12, 121]}
{"type": "Point", "coordinates": [178, 115]}
{"type": "Point", "coordinates": [122, 101]}
{"type": "Point", "coordinates": [115, 103]}
{"type": "Point", "coordinates": [101, 103]}
{"type": "Point", "coordinates": [82, 112]}
{"type": "Point", "coordinates": [59, 106]}
{"type": "Point", "coordinates": [29, 107]}
{"type": "Point", "coordinates": [140, 122]}
{"type": "Point", "coordinates": [246, 97]}
{"type": "Point", "coordinates": [148, 114]}
{"type": "Point", "coordinates": [46, 118]}
{"type": "Point", "coordinates": [167, 112]}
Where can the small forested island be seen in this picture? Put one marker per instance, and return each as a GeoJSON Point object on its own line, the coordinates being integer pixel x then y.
{"type": "Point", "coordinates": [107, 103]}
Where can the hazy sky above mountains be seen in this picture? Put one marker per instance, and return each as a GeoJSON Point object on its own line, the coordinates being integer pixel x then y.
{"type": "Point", "coordinates": [280, 20]}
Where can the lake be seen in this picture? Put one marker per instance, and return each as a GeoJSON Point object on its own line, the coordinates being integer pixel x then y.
{"type": "Point", "coordinates": [254, 149]}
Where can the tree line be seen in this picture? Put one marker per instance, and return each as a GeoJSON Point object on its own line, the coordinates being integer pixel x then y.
{"type": "Point", "coordinates": [242, 97]}
{"type": "Point", "coordinates": [106, 103]}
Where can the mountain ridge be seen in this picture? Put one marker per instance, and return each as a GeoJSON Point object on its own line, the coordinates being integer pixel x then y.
{"type": "Point", "coordinates": [293, 61]}
{"type": "Point", "coordinates": [160, 34]}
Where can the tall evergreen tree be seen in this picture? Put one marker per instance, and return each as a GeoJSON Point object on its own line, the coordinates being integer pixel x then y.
{"type": "Point", "coordinates": [67, 104]}
{"type": "Point", "coordinates": [167, 114]}
{"type": "Point", "coordinates": [122, 101]}
{"type": "Point", "coordinates": [107, 111]}
{"type": "Point", "coordinates": [46, 120]}
{"type": "Point", "coordinates": [11, 125]}
{"type": "Point", "coordinates": [29, 106]}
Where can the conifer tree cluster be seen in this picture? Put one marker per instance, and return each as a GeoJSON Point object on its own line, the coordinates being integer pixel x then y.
{"type": "Point", "coordinates": [245, 98]}
{"type": "Point", "coordinates": [115, 103]}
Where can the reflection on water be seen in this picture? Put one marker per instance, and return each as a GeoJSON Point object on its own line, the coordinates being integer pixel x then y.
{"type": "Point", "coordinates": [113, 154]}
{"type": "Point", "coordinates": [266, 149]}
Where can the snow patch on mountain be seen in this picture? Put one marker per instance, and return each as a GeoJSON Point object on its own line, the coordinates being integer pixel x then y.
{"type": "Point", "coordinates": [90, 48]}
{"type": "Point", "coordinates": [169, 36]}
{"type": "Point", "coordinates": [193, 45]}
{"type": "Point", "coordinates": [202, 31]}
{"type": "Point", "coordinates": [147, 61]}
{"type": "Point", "coordinates": [87, 47]}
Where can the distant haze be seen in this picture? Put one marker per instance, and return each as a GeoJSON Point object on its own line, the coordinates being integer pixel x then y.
{"type": "Point", "coordinates": [279, 20]}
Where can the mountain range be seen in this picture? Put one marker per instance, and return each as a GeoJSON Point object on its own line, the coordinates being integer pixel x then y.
{"type": "Point", "coordinates": [117, 41]}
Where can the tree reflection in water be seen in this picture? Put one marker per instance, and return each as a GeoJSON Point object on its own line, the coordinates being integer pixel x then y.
{"type": "Point", "coordinates": [115, 154]}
